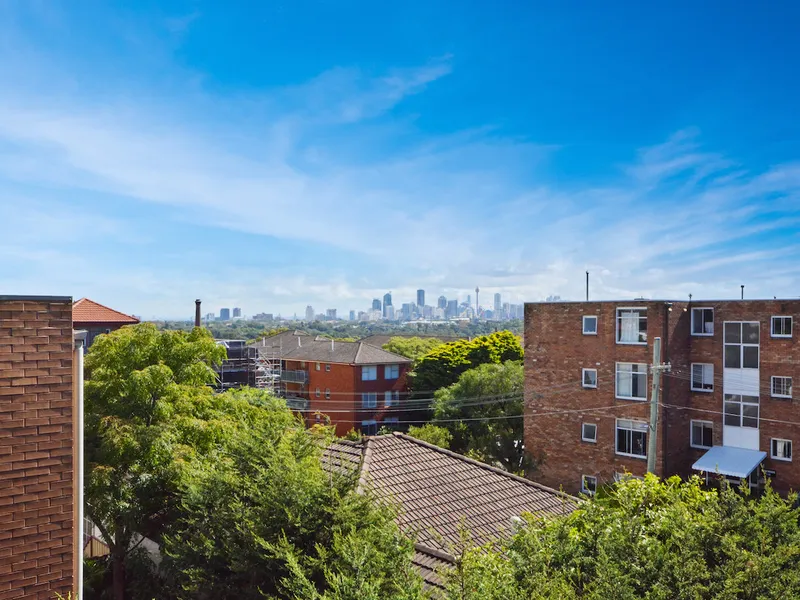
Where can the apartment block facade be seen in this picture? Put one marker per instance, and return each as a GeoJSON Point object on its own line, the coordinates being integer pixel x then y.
{"type": "Point", "coordinates": [726, 406]}
{"type": "Point", "coordinates": [39, 546]}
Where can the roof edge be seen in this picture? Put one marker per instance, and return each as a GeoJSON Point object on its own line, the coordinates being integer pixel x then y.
{"type": "Point", "coordinates": [433, 552]}
{"type": "Point", "coordinates": [24, 298]}
{"type": "Point", "coordinates": [366, 455]}
{"type": "Point", "coordinates": [485, 466]}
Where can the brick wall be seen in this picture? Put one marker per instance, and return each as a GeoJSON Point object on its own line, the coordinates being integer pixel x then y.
{"type": "Point", "coordinates": [556, 403]}
{"type": "Point", "coordinates": [36, 448]}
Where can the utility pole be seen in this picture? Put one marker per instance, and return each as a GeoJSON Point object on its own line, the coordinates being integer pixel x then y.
{"type": "Point", "coordinates": [656, 369]}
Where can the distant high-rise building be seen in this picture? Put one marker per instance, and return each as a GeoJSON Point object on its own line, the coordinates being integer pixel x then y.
{"type": "Point", "coordinates": [352, 315]}
{"type": "Point", "coordinates": [407, 311]}
{"type": "Point", "coordinates": [498, 304]}
{"type": "Point", "coordinates": [210, 317]}
{"type": "Point", "coordinates": [309, 313]}
{"type": "Point", "coordinates": [389, 316]}
{"type": "Point", "coordinates": [442, 302]}
{"type": "Point", "coordinates": [420, 298]}
{"type": "Point", "coordinates": [427, 312]}
{"type": "Point", "coordinates": [376, 304]}
{"type": "Point", "coordinates": [224, 314]}
{"type": "Point", "coordinates": [330, 314]}
{"type": "Point", "coordinates": [452, 309]}
{"type": "Point", "coordinates": [469, 300]}
{"type": "Point", "coordinates": [387, 301]}
{"type": "Point", "coordinates": [237, 313]}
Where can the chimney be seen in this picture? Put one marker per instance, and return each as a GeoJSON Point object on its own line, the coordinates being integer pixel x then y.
{"type": "Point", "coordinates": [331, 345]}
{"type": "Point", "coordinates": [197, 313]}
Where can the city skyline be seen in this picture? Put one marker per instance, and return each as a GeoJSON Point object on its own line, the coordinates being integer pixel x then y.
{"type": "Point", "coordinates": [268, 159]}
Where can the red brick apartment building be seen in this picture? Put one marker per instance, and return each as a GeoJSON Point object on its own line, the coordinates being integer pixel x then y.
{"type": "Point", "coordinates": [354, 384]}
{"type": "Point", "coordinates": [727, 405]}
{"type": "Point", "coordinates": [39, 548]}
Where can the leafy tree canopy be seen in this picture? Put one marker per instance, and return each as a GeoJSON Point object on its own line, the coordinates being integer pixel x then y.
{"type": "Point", "coordinates": [646, 539]}
{"type": "Point", "coordinates": [438, 436]}
{"type": "Point", "coordinates": [443, 365]}
{"type": "Point", "coordinates": [412, 347]}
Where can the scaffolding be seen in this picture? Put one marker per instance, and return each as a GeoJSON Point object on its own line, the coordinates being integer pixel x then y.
{"type": "Point", "coordinates": [266, 361]}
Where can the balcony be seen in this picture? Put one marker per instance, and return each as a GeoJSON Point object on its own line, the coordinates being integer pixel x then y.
{"type": "Point", "coordinates": [294, 377]}
{"type": "Point", "coordinates": [296, 403]}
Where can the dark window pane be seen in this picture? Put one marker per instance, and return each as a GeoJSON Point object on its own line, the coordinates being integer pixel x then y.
{"type": "Point", "coordinates": [750, 360]}
{"type": "Point", "coordinates": [639, 441]}
{"type": "Point", "coordinates": [733, 359]}
{"type": "Point", "coordinates": [750, 416]}
{"type": "Point", "coordinates": [750, 333]}
{"type": "Point", "coordinates": [622, 439]}
{"type": "Point", "coordinates": [708, 436]}
{"type": "Point", "coordinates": [732, 412]}
{"type": "Point", "coordinates": [733, 333]}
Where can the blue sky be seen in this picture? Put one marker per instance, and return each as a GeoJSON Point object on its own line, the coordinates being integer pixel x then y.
{"type": "Point", "coordinates": [270, 155]}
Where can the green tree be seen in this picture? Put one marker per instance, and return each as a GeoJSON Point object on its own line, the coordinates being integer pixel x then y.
{"type": "Point", "coordinates": [140, 381]}
{"type": "Point", "coordinates": [261, 516]}
{"type": "Point", "coordinates": [483, 413]}
{"type": "Point", "coordinates": [443, 365]}
{"type": "Point", "coordinates": [412, 347]}
{"type": "Point", "coordinates": [648, 539]}
{"type": "Point", "coordinates": [438, 436]}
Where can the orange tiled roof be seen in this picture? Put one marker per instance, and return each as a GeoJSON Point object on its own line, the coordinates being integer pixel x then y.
{"type": "Point", "coordinates": [86, 311]}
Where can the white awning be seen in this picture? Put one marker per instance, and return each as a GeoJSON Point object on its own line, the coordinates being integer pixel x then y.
{"type": "Point", "coordinates": [730, 461]}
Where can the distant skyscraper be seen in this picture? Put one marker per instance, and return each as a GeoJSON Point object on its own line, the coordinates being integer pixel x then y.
{"type": "Point", "coordinates": [352, 315]}
{"type": "Point", "coordinates": [330, 314]}
{"type": "Point", "coordinates": [420, 298]}
{"type": "Point", "coordinates": [407, 310]}
{"type": "Point", "coordinates": [497, 304]}
{"type": "Point", "coordinates": [390, 316]}
{"type": "Point", "coordinates": [442, 303]}
{"type": "Point", "coordinates": [469, 300]}
{"type": "Point", "coordinates": [387, 301]}
{"type": "Point", "coordinates": [376, 304]}
{"type": "Point", "coordinates": [237, 313]}
{"type": "Point", "coordinates": [452, 309]}
{"type": "Point", "coordinates": [224, 314]}
{"type": "Point", "coordinates": [309, 313]}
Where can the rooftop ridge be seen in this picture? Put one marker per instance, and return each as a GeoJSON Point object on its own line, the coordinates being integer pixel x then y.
{"type": "Point", "coordinates": [482, 465]}
{"type": "Point", "coordinates": [433, 552]}
{"type": "Point", "coordinates": [79, 303]}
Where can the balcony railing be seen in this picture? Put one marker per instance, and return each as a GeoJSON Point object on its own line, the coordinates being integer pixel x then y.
{"type": "Point", "coordinates": [294, 377]}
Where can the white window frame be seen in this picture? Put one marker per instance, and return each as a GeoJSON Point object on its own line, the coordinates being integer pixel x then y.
{"type": "Point", "coordinates": [317, 367]}
{"type": "Point", "coordinates": [390, 397]}
{"type": "Point", "coordinates": [369, 400]}
{"type": "Point", "coordinates": [772, 387]}
{"type": "Point", "coordinates": [584, 488]}
{"type": "Point", "coordinates": [704, 374]}
{"type": "Point", "coordinates": [368, 370]}
{"type": "Point", "coordinates": [643, 427]}
{"type": "Point", "coordinates": [327, 393]}
{"type": "Point", "coordinates": [741, 343]}
{"type": "Point", "coordinates": [583, 378]}
{"type": "Point", "coordinates": [592, 440]}
{"type": "Point", "coordinates": [616, 381]}
{"type": "Point", "coordinates": [366, 423]}
{"type": "Point", "coordinates": [692, 443]}
{"type": "Point", "coordinates": [704, 334]}
{"type": "Point", "coordinates": [740, 400]}
{"type": "Point", "coordinates": [772, 326]}
{"type": "Point", "coordinates": [584, 324]}
{"type": "Point", "coordinates": [317, 394]}
{"type": "Point", "coordinates": [619, 329]}
{"type": "Point", "coordinates": [774, 456]}
{"type": "Point", "coordinates": [395, 371]}
{"type": "Point", "coordinates": [327, 368]}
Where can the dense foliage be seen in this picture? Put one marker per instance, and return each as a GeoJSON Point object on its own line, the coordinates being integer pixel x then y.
{"type": "Point", "coordinates": [668, 540]}
{"type": "Point", "coordinates": [444, 364]}
{"type": "Point", "coordinates": [483, 413]}
{"type": "Point", "coordinates": [438, 436]}
{"type": "Point", "coordinates": [412, 347]}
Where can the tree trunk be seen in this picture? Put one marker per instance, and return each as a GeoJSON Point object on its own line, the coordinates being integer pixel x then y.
{"type": "Point", "coordinates": [118, 574]}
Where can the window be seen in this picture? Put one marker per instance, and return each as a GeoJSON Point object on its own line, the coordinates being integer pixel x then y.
{"type": "Point", "coordinates": [391, 397]}
{"type": "Point", "coordinates": [741, 345]}
{"type": "Point", "coordinates": [327, 393]}
{"type": "Point", "coordinates": [588, 484]}
{"type": "Point", "coordinates": [702, 321]}
{"type": "Point", "coordinates": [369, 400]}
{"type": "Point", "coordinates": [631, 325]}
{"type": "Point", "coordinates": [302, 364]}
{"type": "Point", "coordinates": [702, 377]}
{"type": "Point", "coordinates": [369, 427]}
{"type": "Point", "coordinates": [741, 411]}
{"type": "Point", "coordinates": [702, 434]}
{"type": "Point", "coordinates": [327, 368]}
{"type": "Point", "coordinates": [317, 393]}
{"type": "Point", "coordinates": [782, 327]}
{"type": "Point", "coordinates": [632, 381]}
{"type": "Point", "coordinates": [632, 438]}
{"type": "Point", "coordinates": [316, 367]}
{"type": "Point", "coordinates": [590, 378]}
{"type": "Point", "coordinates": [369, 373]}
{"type": "Point", "coordinates": [781, 387]}
{"type": "Point", "coordinates": [391, 371]}
{"type": "Point", "coordinates": [781, 449]}
{"type": "Point", "coordinates": [391, 423]}
{"type": "Point", "coordinates": [589, 325]}
{"type": "Point", "coordinates": [589, 432]}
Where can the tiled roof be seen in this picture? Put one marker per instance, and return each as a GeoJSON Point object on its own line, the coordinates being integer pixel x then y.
{"type": "Point", "coordinates": [286, 340]}
{"type": "Point", "coordinates": [86, 312]}
{"type": "Point", "coordinates": [430, 564]}
{"type": "Point", "coordinates": [349, 353]}
{"type": "Point", "coordinates": [343, 456]}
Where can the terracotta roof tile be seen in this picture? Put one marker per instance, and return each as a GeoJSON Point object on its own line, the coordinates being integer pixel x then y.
{"type": "Point", "coordinates": [85, 312]}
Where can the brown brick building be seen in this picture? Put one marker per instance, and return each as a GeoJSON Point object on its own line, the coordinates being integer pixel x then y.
{"type": "Point", "coordinates": [96, 319]}
{"type": "Point", "coordinates": [355, 385]}
{"type": "Point", "coordinates": [727, 405]}
{"type": "Point", "coordinates": [38, 544]}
